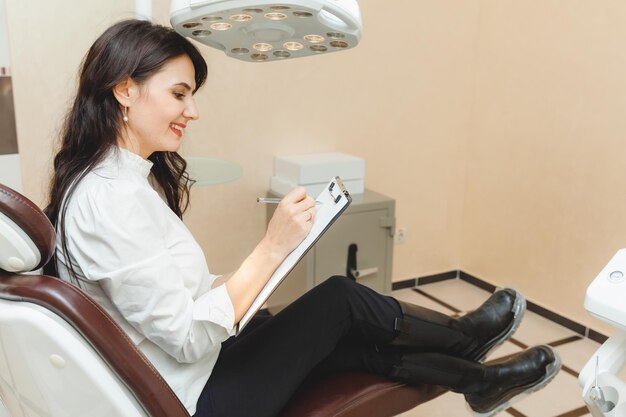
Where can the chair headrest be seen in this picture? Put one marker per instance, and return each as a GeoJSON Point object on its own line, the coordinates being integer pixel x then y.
{"type": "Point", "coordinates": [27, 237]}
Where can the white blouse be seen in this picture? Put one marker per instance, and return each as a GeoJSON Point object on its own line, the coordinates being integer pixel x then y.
{"type": "Point", "coordinates": [138, 260]}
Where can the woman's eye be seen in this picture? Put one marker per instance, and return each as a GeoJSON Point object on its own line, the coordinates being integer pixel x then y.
{"type": "Point", "coordinates": [179, 95]}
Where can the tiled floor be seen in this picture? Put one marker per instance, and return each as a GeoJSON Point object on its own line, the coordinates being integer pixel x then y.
{"type": "Point", "coordinates": [562, 398]}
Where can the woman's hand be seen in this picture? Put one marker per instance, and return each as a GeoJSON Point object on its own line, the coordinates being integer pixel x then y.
{"type": "Point", "coordinates": [291, 222]}
{"type": "Point", "coordinates": [289, 226]}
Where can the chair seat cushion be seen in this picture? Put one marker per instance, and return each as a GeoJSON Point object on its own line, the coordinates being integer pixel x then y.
{"type": "Point", "coordinates": [354, 394]}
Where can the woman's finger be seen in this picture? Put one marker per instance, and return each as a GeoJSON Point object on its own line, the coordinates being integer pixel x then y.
{"type": "Point", "coordinates": [306, 203]}
{"type": "Point", "coordinates": [296, 195]}
{"type": "Point", "coordinates": [311, 213]}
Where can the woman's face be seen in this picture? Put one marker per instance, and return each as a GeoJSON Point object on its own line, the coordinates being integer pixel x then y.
{"type": "Point", "coordinates": [159, 109]}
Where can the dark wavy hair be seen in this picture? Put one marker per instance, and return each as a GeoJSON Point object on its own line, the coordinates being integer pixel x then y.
{"type": "Point", "coordinates": [132, 48]}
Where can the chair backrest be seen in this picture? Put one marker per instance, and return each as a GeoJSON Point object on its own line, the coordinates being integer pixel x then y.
{"type": "Point", "coordinates": [60, 354]}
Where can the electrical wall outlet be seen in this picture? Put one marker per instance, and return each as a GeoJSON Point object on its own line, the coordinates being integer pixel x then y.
{"type": "Point", "coordinates": [400, 236]}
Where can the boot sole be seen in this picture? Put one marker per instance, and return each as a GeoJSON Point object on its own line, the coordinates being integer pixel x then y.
{"type": "Point", "coordinates": [551, 370]}
{"type": "Point", "coordinates": [519, 308]}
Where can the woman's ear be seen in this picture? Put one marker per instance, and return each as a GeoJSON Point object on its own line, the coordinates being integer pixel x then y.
{"type": "Point", "coordinates": [126, 92]}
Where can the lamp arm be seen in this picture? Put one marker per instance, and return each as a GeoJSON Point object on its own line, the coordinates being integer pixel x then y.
{"type": "Point", "coordinates": [143, 9]}
{"type": "Point", "coordinates": [349, 13]}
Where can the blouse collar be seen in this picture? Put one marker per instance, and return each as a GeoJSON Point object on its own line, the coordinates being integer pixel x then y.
{"type": "Point", "coordinates": [136, 162]}
{"type": "Point", "coordinates": [123, 159]}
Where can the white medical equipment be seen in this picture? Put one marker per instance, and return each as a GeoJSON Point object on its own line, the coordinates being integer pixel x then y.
{"type": "Point", "coordinates": [603, 391]}
{"type": "Point", "coordinates": [264, 31]}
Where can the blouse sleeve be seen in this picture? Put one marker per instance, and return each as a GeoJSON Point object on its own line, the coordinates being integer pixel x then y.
{"type": "Point", "coordinates": [117, 237]}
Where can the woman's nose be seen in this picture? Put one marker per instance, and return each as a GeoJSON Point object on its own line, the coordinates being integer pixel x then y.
{"type": "Point", "coordinates": [191, 111]}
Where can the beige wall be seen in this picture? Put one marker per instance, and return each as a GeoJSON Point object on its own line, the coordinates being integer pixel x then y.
{"type": "Point", "coordinates": [397, 102]}
{"type": "Point", "coordinates": [494, 123]}
{"type": "Point", "coordinates": [545, 195]}
{"type": "Point", "coordinates": [411, 121]}
{"type": "Point", "coordinates": [47, 40]}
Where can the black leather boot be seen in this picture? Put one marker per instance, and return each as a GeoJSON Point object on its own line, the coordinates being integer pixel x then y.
{"type": "Point", "coordinates": [450, 372]}
{"type": "Point", "coordinates": [488, 388]}
{"type": "Point", "coordinates": [471, 336]}
{"type": "Point", "coordinates": [513, 379]}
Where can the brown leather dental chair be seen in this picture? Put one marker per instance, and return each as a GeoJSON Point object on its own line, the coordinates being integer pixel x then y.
{"type": "Point", "coordinates": [61, 355]}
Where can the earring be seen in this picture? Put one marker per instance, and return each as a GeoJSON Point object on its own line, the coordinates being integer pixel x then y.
{"type": "Point", "coordinates": [125, 118]}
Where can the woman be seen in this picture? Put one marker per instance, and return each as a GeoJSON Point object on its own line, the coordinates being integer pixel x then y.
{"type": "Point", "coordinates": [117, 198]}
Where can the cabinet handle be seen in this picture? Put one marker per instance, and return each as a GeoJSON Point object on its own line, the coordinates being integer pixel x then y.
{"type": "Point", "coordinates": [352, 270]}
{"type": "Point", "coordinates": [351, 263]}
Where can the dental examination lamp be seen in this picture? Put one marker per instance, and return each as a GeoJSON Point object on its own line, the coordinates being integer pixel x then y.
{"type": "Point", "coordinates": [258, 31]}
{"type": "Point", "coordinates": [603, 391]}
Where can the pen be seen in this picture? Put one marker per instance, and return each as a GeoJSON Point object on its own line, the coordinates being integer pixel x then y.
{"type": "Point", "coordinates": [274, 200]}
{"type": "Point", "coordinates": [269, 200]}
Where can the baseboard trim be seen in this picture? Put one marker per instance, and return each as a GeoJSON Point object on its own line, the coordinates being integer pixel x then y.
{"type": "Point", "coordinates": [535, 308]}
{"type": "Point", "coordinates": [557, 318]}
{"type": "Point", "coordinates": [430, 279]}
{"type": "Point", "coordinates": [476, 281]}
{"type": "Point", "coordinates": [416, 282]}
{"type": "Point", "coordinates": [400, 285]}
{"type": "Point", "coordinates": [596, 336]}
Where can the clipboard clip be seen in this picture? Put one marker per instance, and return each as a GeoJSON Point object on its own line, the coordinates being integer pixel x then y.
{"type": "Point", "coordinates": [336, 193]}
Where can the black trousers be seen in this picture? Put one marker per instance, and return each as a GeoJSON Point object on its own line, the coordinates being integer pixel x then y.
{"type": "Point", "coordinates": [334, 327]}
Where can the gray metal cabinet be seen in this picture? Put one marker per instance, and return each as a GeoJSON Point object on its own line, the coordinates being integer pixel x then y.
{"type": "Point", "coordinates": [369, 224]}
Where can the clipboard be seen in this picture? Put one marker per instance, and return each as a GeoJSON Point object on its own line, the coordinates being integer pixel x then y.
{"type": "Point", "coordinates": [334, 200]}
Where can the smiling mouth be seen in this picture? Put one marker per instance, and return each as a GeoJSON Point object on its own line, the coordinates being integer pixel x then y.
{"type": "Point", "coordinates": [178, 130]}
